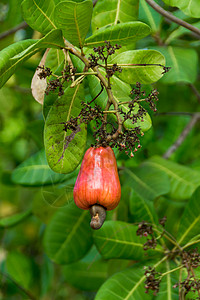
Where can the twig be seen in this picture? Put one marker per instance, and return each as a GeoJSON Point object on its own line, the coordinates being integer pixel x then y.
{"type": "Point", "coordinates": [94, 2]}
{"type": "Point", "coordinates": [175, 113]}
{"type": "Point", "coordinates": [30, 296]}
{"type": "Point", "coordinates": [171, 17]}
{"type": "Point", "coordinates": [13, 30]}
{"type": "Point", "coordinates": [182, 136]}
{"type": "Point", "coordinates": [195, 91]}
{"type": "Point", "coordinates": [97, 94]}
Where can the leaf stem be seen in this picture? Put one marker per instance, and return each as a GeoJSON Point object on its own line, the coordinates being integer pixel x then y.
{"type": "Point", "coordinates": [171, 271]}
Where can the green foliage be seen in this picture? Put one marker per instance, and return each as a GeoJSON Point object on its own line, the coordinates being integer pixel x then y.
{"type": "Point", "coordinates": [39, 14]}
{"type": "Point", "coordinates": [74, 20]}
{"type": "Point", "coordinates": [60, 144]}
{"type": "Point", "coordinates": [122, 34]}
{"type": "Point", "coordinates": [113, 12]}
{"type": "Point", "coordinates": [145, 74]}
{"type": "Point", "coordinates": [47, 246]}
{"type": "Point", "coordinates": [68, 236]}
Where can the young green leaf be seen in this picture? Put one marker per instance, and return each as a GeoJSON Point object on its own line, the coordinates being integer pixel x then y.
{"type": "Point", "coordinates": [74, 20]}
{"type": "Point", "coordinates": [108, 12]}
{"type": "Point", "coordinates": [118, 239]}
{"type": "Point", "coordinates": [148, 15]}
{"type": "Point", "coordinates": [68, 236]}
{"type": "Point", "coordinates": [183, 180]}
{"type": "Point", "coordinates": [121, 34]}
{"type": "Point", "coordinates": [39, 14]}
{"type": "Point", "coordinates": [14, 55]}
{"type": "Point", "coordinates": [144, 74]}
{"type": "Point", "coordinates": [190, 220]}
{"type": "Point", "coordinates": [64, 149]}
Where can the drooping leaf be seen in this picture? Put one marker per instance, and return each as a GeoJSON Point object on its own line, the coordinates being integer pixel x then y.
{"type": "Point", "coordinates": [121, 34]}
{"type": "Point", "coordinates": [19, 268]}
{"type": "Point", "coordinates": [14, 219]}
{"type": "Point", "coordinates": [148, 15]}
{"type": "Point", "coordinates": [190, 220]}
{"type": "Point", "coordinates": [74, 20]}
{"type": "Point", "coordinates": [142, 209]}
{"type": "Point", "coordinates": [38, 86]}
{"type": "Point", "coordinates": [183, 180]}
{"type": "Point", "coordinates": [68, 236]}
{"type": "Point", "coordinates": [108, 12]}
{"type": "Point", "coordinates": [14, 55]}
{"type": "Point", "coordinates": [35, 171]}
{"type": "Point", "coordinates": [64, 149]}
{"type": "Point", "coordinates": [190, 8]}
{"type": "Point", "coordinates": [147, 181]}
{"type": "Point", "coordinates": [126, 285]}
{"type": "Point", "coordinates": [39, 14]}
{"type": "Point", "coordinates": [183, 63]}
{"type": "Point", "coordinates": [86, 276]}
{"type": "Point", "coordinates": [118, 239]}
{"type": "Point", "coordinates": [143, 74]}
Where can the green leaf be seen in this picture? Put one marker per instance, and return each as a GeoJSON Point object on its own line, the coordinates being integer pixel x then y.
{"type": "Point", "coordinates": [19, 268]}
{"type": "Point", "coordinates": [148, 15]}
{"type": "Point", "coordinates": [143, 74]}
{"type": "Point", "coordinates": [64, 150]}
{"type": "Point", "coordinates": [86, 276]}
{"type": "Point", "coordinates": [183, 180]}
{"type": "Point", "coordinates": [14, 219]}
{"type": "Point", "coordinates": [68, 236]}
{"type": "Point", "coordinates": [39, 14]}
{"type": "Point", "coordinates": [122, 34]}
{"type": "Point", "coordinates": [190, 8]}
{"type": "Point", "coordinates": [148, 181]}
{"type": "Point", "coordinates": [74, 20]}
{"type": "Point", "coordinates": [108, 12]}
{"type": "Point", "coordinates": [183, 63]}
{"type": "Point", "coordinates": [118, 239]}
{"type": "Point", "coordinates": [35, 171]}
{"type": "Point", "coordinates": [190, 220]}
{"type": "Point", "coordinates": [126, 285]}
{"type": "Point", "coordinates": [14, 55]}
{"type": "Point", "coordinates": [141, 209]}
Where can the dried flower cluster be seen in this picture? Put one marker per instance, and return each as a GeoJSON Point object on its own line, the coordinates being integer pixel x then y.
{"type": "Point", "coordinates": [153, 279]}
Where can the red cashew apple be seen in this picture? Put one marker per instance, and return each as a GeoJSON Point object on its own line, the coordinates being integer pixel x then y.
{"type": "Point", "coordinates": [97, 187]}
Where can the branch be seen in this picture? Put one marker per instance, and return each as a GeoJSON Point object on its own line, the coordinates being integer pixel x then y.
{"type": "Point", "coordinates": [171, 17]}
{"type": "Point", "coordinates": [13, 30]}
{"type": "Point", "coordinates": [182, 136]}
{"type": "Point", "coordinates": [195, 91]}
